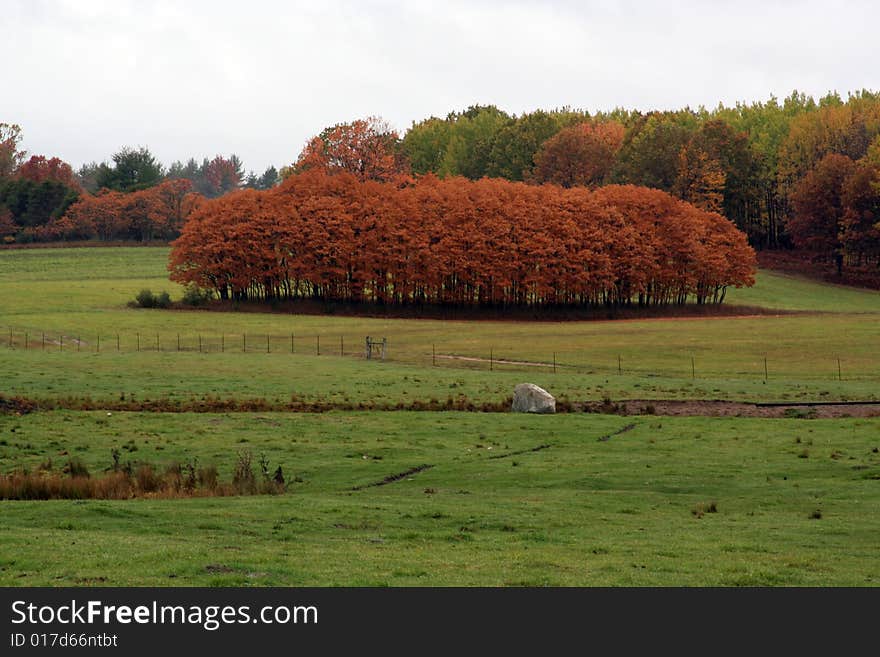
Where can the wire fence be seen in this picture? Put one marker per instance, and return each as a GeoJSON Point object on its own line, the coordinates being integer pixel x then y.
{"type": "Point", "coordinates": [678, 366]}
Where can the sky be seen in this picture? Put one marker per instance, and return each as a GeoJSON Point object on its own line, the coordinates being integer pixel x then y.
{"type": "Point", "coordinates": [190, 78]}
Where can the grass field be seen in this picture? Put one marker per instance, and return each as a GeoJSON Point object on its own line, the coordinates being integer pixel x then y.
{"type": "Point", "coordinates": [795, 499]}
{"type": "Point", "coordinates": [579, 512]}
{"type": "Point", "coordinates": [82, 294]}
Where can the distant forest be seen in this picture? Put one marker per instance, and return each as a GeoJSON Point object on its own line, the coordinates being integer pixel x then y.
{"type": "Point", "coordinates": [794, 173]}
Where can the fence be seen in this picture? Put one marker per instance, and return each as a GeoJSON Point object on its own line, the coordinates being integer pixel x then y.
{"type": "Point", "coordinates": [678, 366]}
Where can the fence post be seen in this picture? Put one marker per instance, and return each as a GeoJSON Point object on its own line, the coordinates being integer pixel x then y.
{"type": "Point", "coordinates": [490, 359]}
{"type": "Point", "coordinates": [244, 343]}
{"type": "Point", "coordinates": [267, 343]}
{"type": "Point", "coordinates": [765, 369]}
{"type": "Point", "coordinates": [98, 345]}
{"type": "Point", "coordinates": [43, 344]}
{"type": "Point", "coordinates": [619, 365]}
{"type": "Point", "coordinates": [200, 343]}
{"type": "Point", "coordinates": [178, 342]}
{"type": "Point", "coordinates": [693, 368]}
{"type": "Point", "coordinates": [839, 372]}
{"type": "Point", "coordinates": [554, 362]}
{"type": "Point", "coordinates": [138, 341]}
{"type": "Point", "coordinates": [341, 346]}
{"type": "Point", "coordinates": [78, 342]}
{"type": "Point", "coordinates": [61, 342]}
{"type": "Point", "coordinates": [317, 345]}
{"type": "Point", "coordinates": [222, 343]}
{"type": "Point", "coordinates": [25, 340]}
{"type": "Point", "coordinates": [10, 338]}
{"type": "Point", "coordinates": [291, 343]}
{"type": "Point", "coordinates": [157, 342]}
{"type": "Point", "coordinates": [433, 355]}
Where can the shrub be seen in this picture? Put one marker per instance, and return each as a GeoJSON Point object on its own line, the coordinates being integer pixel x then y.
{"type": "Point", "coordinates": [146, 299]}
{"type": "Point", "coordinates": [243, 478]}
{"type": "Point", "coordinates": [162, 300]}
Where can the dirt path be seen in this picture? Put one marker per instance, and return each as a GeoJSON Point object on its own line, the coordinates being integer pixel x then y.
{"type": "Point", "coordinates": [720, 408]}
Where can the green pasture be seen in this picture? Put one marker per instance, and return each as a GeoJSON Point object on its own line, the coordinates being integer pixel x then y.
{"type": "Point", "coordinates": [795, 502]}
{"type": "Point", "coordinates": [70, 304]}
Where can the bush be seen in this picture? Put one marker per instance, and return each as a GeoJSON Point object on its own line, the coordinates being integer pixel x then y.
{"type": "Point", "coordinates": [196, 296]}
{"type": "Point", "coordinates": [146, 299]}
{"type": "Point", "coordinates": [163, 300]}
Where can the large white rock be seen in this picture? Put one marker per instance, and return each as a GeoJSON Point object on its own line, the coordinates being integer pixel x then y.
{"type": "Point", "coordinates": [529, 398]}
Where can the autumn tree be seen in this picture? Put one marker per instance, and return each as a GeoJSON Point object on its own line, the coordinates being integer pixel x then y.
{"type": "Point", "coordinates": [699, 179]}
{"type": "Point", "coordinates": [8, 227]}
{"type": "Point", "coordinates": [817, 200]}
{"type": "Point", "coordinates": [453, 241]}
{"type": "Point", "coordinates": [40, 169]}
{"type": "Point", "coordinates": [583, 154]}
{"type": "Point", "coordinates": [366, 148]}
{"type": "Point", "coordinates": [860, 225]}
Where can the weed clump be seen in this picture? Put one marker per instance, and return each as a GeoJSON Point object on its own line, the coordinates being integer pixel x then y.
{"type": "Point", "coordinates": [123, 481]}
{"type": "Point", "coordinates": [702, 508]}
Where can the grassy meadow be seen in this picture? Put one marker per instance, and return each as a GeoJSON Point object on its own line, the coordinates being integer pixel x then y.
{"type": "Point", "coordinates": [581, 511]}
{"type": "Point", "coordinates": [794, 499]}
{"type": "Point", "coordinates": [77, 299]}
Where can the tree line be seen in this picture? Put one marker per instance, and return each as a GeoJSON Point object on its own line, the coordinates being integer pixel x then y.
{"type": "Point", "coordinates": [459, 242]}
{"type": "Point", "coordinates": [132, 197]}
{"type": "Point", "coordinates": [772, 167]}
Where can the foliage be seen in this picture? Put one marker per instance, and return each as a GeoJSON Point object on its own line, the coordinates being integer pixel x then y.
{"type": "Point", "coordinates": [459, 242]}
{"type": "Point", "coordinates": [10, 155]}
{"type": "Point", "coordinates": [837, 209]}
{"type": "Point", "coordinates": [146, 299]}
{"type": "Point", "coordinates": [157, 212]}
{"type": "Point", "coordinates": [583, 154]}
{"type": "Point", "coordinates": [33, 204]}
{"type": "Point", "coordinates": [366, 149]}
{"type": "Point", "coordinates": [196, 296]}
{"type": "Point", "coordinates": [132, 170]}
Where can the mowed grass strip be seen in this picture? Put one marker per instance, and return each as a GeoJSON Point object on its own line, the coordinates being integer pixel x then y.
{"type": "Point", "coordinates": [673, 501]}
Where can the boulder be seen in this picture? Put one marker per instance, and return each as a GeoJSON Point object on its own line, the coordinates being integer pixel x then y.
{"type": "Point", "coordinates": [529, 398]}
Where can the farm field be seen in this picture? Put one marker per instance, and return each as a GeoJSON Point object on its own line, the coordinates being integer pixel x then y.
{"type": "Point", "coordinates": [794, 499]}
{"type": "Point", "coordinates": [580, 511]}
{"type": "Point", "coordinates": [79, 296]}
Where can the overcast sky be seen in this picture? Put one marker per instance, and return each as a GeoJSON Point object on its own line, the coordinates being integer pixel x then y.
{"type": "Point", "coordinates": [259, 77]}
